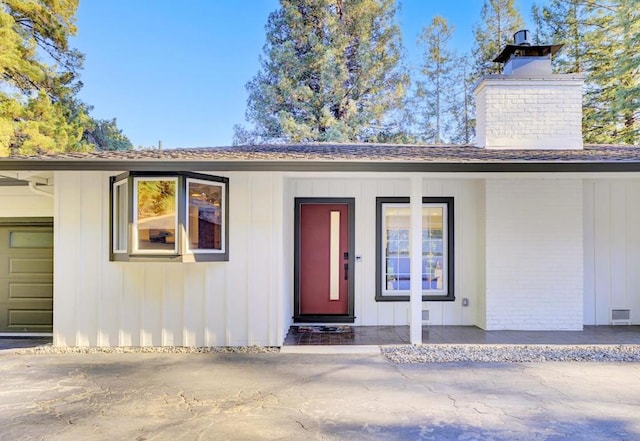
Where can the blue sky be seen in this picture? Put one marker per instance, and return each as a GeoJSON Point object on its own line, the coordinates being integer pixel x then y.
{"type": "Point", "coordinates": [176, 71]}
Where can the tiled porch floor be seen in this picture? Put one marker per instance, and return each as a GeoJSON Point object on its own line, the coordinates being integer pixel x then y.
{"type": "Point", "coordinates": [390, 335]}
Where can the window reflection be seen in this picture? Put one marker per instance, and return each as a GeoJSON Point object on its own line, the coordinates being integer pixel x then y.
{"type": "Point", "coordinates": [397, 242]}
{"type": "Point", "coordinates": [205, 216]}
{"type": "Point", "coordinates": [156, 211]}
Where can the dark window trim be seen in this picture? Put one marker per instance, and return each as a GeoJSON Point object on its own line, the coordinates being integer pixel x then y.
{"type": "Point", "coordinates": [449, 201]}
{"type": "Point", "coordinates": [43, 221]}
{"type": "Point", "coordinates": [315, 318]}
{"type": "Point", "coordinates": [182, 254]}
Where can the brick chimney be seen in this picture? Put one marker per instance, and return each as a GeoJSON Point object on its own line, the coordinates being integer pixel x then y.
{"type": "Point", "coordinates": [529, 107]}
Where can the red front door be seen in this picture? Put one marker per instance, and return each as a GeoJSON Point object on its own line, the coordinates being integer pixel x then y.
{"type": "Point", "coordinates": [323, 268]}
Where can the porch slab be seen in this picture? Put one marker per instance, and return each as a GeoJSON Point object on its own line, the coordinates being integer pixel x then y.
{"type": "Point", "coordinates": [398, 335]}
{"type": "Point", "coordinates": [331, 349]}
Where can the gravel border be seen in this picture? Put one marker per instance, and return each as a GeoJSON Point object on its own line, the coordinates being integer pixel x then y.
{"type": "Point", "coordinates": [48, 349]}
{"type": "Point", "coordinates": [510, 353]}
{"type": "Point", "coordinates": [402, 354]}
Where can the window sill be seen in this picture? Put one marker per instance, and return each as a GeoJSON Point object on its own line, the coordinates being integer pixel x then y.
{"type": "Point", "coordinates": [425, 298]}
{"type": "Point", "coordinates": [180, 258]}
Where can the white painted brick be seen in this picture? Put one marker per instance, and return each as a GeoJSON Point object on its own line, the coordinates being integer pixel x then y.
{"type": "Point", "coordinates": [520, 113]}
{"type": "Point", "coordinates": [533, 258]}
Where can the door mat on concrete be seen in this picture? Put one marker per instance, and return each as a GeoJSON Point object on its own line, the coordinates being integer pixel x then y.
{"type": "Point", "coordinates": [325, 329]}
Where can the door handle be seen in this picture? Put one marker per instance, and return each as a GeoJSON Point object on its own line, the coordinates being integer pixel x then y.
{"type": "Point", "coordinates": [346, 271]}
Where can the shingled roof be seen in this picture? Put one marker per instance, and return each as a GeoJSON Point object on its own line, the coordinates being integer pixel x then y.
{"type": "Point", "coordinates": [339, 157]}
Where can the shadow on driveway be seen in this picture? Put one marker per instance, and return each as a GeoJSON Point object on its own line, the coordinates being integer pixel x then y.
{"type": "Point", "coordinates": [23, 342]}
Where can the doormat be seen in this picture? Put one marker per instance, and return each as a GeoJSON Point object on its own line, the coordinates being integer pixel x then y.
{"type": "Point", "coordinates": [326, 329]}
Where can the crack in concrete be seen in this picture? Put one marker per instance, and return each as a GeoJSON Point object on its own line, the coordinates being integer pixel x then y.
{"type": "Point", "coordinates": [454, 402]}
{"type": "Point", "coordinates": [66, 398]}
{"type": "Point", "coordinates": [301, 424]}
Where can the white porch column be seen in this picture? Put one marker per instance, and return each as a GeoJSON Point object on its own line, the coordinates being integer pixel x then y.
{"type": "Point", "coordinates": [416, 260]}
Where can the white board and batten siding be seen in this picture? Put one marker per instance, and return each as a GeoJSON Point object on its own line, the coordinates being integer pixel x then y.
{"type": "Point", "coordinates": [575, 246]}
{"type": "Point", "coordinates": [22, 202]}
{"type": "Point", "coordinates": [365, 188]}
{"type": "Point", "coordinates": [612, 249]}
{"type": "Point", "coordinates": [103, 303]}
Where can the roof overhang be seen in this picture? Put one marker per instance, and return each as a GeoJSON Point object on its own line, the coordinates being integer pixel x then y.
{"type": "Point", "coordinates": [322, 166]}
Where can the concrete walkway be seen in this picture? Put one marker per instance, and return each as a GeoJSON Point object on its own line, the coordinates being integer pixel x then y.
{"type": "Point", "coordinates": [397, 335]}
{"type": "Point", "coordinates": [277, 396]}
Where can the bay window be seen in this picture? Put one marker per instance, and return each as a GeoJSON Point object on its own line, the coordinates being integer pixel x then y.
{"type": "Point", "coordinates": [169, 216]}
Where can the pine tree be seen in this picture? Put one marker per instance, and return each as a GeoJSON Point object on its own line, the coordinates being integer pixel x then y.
{"type": "Point", "coordinates": [33, 94]}
{"type": "Point", "coordinates": [500, 20]}
{"type": "Point", "coordinates": [436, 91]}
{"type": "Point", "coordinates": [599, 121]}
{"type": "Point", "coordinates": [330, 72]}
{"type": "Point", "coordinates": [104, 134]}
{"type": "Point", "coordinates": [627, 72]}
{"type": "Point", "coordinates": [39, 72]}
{"type": "Point", "coordinates": [463, 121]}
{"type": "Point", "coordinates": [601, 40]}
{"type": "Point", "coordinates": [573, 24]}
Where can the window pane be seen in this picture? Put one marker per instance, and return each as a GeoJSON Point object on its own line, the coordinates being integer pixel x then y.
{"type": "Point", "coordinates": [31, 239]}
{"type": "Point", "coordinates": [156, 215]}
{"type": "Point", "coordinates": [120, 218]}
{"type": "Point", "coordinates": [396, 247]}
{"type": "Point", "coordinates": [432, 247]}
{"type": "Point", "coordinates": [205, 216]}
{"type": "Point", "coordinates": [396, 237]}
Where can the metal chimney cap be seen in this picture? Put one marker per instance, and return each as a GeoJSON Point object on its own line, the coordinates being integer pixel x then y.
{"type": "Point", "coordinates": [521, 38]}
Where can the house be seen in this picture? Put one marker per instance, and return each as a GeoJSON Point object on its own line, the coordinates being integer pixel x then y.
{"type": "Point", "coordinates": [526, 230]}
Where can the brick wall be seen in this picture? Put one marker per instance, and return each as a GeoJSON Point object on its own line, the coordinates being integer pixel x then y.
{"type": "Point", "coordinates": [521, 113]}
{"type": "Point", "coordinates": [534, 254]}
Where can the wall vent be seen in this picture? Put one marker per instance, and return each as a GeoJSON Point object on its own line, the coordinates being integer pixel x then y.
{"type": "Point", "coordinates": [620, 316]}
{"type": "Point", "coordinates": [425, 316]}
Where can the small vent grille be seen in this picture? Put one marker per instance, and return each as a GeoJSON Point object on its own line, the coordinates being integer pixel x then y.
{"type": "Point", "coordinates": [619, 316]}
{"type": "Point", "coordinates": [425, 316]}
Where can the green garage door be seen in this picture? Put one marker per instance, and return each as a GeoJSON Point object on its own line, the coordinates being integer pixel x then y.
{"type": "Point", "coordinates": [26, 279]}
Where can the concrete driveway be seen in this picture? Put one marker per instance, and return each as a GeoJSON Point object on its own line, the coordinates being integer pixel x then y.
{"type": "Point", "coordinates": [139, 396]}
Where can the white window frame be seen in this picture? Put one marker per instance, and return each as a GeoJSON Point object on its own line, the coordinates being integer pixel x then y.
{"type": "Point", "coordinates": [135, 244]}
{"type": "Point", "coordinates": [223, 216]}
{"type": "Point", "coordinates": [116, 213]}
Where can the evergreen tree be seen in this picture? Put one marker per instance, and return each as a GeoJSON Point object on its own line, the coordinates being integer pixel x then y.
{"type": "Point", "coordinates": [601, 40]}
{"type": "Point", "coordinates": [627, 72]}
{"type": "Point", "coordinates": [599, 121]}
{"type": "Point", "coordinates": [330, 72]}
{"type": "Point", "coordinates": [39, 79]}
{"type": "Point", "coordinates": [437, 89]}
{"type": "Point", "coordinates": [500, 20]}
{"type": "Point", "coordinates": [571, 23]}
{"type": "Point", "coordinates": [104, 134]}
{"type": "Point", "coordinates": [463, 121]}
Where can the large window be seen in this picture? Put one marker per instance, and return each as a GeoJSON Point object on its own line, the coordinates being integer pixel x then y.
{"type": "Point", "coordinates": [169, 216]}
{"type": "Point", "coordinates": [393, 269]}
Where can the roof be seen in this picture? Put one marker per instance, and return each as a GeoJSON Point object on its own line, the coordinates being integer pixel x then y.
{"type": "Point", "coordinates": [339, 157]}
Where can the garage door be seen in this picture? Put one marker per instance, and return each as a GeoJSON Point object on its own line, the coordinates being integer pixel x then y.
{"type": "Point", "coordinates": [26, 279]}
